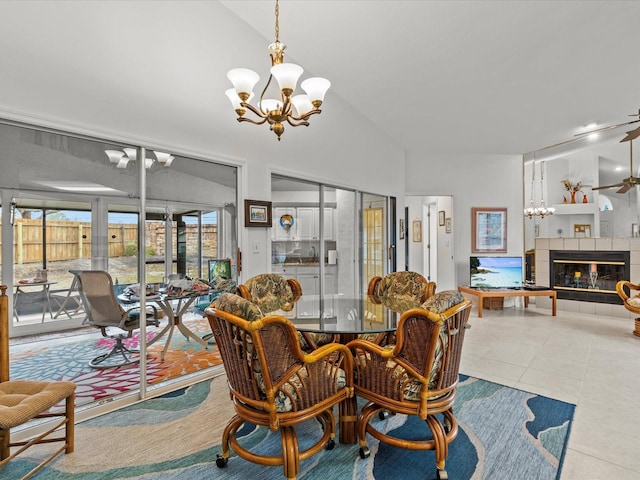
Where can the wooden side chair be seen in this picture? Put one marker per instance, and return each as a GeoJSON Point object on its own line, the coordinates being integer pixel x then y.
{"type": "Point", "coordinates": [417, 375]}
{"type": "Point", "coordinates": [24, 400]}
{"type": "Point", "coordinates": [631, 300]}
{"type": "Point", "coordinates": [273, 383]}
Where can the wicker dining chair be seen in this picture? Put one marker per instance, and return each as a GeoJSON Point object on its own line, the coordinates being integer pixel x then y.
{"type": "Point", "coordinates": [630, 295]}
{"type": "Point", "coordinates": [274, 384]}
{"type": "Point", "coordinates": [416, 376]}
{"type": "Point", "coordinates": [397, 291]}
{"type": "Point", "coordinates": [272, 292]}
{"type": "Point", "coordinates": [400, 291]}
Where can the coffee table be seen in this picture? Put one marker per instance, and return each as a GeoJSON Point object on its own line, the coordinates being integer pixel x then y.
{"type": "Point", "coordinates": [482, 293]}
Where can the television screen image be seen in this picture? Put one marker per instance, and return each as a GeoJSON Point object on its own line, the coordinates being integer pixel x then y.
{"type": "Point", "coordinates": [496, 272]}
{"type": "Point", "coordinates": [220, 268]}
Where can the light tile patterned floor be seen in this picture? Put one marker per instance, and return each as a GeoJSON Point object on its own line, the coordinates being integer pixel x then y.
{"type": "Point", "coordinates": [591, 361]}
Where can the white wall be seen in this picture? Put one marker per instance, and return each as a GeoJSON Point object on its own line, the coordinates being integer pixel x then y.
{"type": "Point", "coordinates": [472, 181]}
{"type": "Point", "coordinates": [339, 148]}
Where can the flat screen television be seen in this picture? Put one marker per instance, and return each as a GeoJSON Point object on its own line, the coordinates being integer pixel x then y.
{"type": "Point", "coordinates": [496, 272]}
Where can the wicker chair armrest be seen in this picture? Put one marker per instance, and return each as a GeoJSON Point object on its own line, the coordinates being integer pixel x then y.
{"type": "Point", "coordinates": [296, 288]}
{"type": "Point", "coordinates": [372, 347]}
{"type": "Point", "coordinates": [243, 292]}
{"type": "Point", "coordinates": [371, 290]}
{"type": "Point", "coordinates": [329, 350]}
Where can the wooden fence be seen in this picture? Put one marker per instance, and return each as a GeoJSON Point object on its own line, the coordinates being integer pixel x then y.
{"type": "Point", "coordinates": [67, 240]}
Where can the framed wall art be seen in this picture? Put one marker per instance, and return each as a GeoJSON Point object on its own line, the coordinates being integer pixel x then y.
{"type": "Point", "coordinates": [257, 213]}
{"type": "Point", "coordinates": [441, 219]}
{"type": "Point", "coordinates": [417, 231]}
{"type": "Point", "coordinates": [488, 230]}
{"type": "Point", "coordinates": [447, 225]}
{"type": "Point", "coordinates": [401, 229]}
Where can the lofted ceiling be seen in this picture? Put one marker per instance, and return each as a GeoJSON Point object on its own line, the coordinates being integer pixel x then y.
{"type": "Point", "coordinates": [439, 77]}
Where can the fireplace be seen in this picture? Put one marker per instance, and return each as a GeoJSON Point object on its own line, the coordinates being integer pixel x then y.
{"type": "Point", "coordinates": [588, 276]}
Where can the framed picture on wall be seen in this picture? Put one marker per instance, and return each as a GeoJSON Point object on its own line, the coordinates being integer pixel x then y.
{"type": "Point", "coordinates": [257, 213]}
{"type": "Point", "coordinates": [488, 230]}
{"type": "Point", "coordinates": [417, 231]}
{"type": "Point", "coordinates": [401, 229]}
{"type": "Point", "coordinates": [447, 225]}
{"type": "Point", "coordinates": [441, 219]}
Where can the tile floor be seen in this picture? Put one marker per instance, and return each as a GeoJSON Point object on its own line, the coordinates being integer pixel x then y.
{"type": "Point", "coordinates": [588, 360]}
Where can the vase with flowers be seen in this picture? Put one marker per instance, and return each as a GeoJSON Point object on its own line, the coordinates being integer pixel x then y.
{"type": "Point", "coordinates": [572, 188]}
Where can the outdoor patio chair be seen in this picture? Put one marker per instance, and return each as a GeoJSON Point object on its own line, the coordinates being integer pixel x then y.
{"type": "Point", "coordinates": [22, 401]}
{"type": "Point", "coordinates": [417, 375]}
{"type": "Point", "coordinates": [104, 312]}
{"type": "Point", "coordinates": [274, 384]}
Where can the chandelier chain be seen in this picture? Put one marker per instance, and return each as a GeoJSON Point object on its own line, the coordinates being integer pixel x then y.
{"type": "Point", "coordinates": [277, 22]}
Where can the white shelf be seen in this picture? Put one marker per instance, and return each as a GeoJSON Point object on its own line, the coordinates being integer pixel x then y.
{"type": "Point", "coordinates": [576, 209]}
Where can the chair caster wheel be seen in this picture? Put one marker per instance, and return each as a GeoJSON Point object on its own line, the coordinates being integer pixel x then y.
{"type": "Point", "coordinates": [221, 462]}
{"type": "Point", "coordinates": [330, 444]}
{"type": "Point", "coordinates": [442, 475]}
{"type": "Point", "coordinates": [364, 452]}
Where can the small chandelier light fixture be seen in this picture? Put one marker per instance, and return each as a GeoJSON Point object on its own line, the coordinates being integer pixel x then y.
{"type": "Point", "coordinates": [541, 211]}
{"type": "Point", "coordinates": [295, 110]}
{"type": "Point", "coordinates": [122, 158]}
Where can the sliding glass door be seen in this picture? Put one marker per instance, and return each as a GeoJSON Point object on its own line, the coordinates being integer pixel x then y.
{"type": "Point", "coordinates": [332, 240]}
{"type": "Point", "coordinates": [73, 203]}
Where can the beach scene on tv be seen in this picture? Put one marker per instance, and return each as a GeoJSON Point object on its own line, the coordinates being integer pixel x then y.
{"type": "Point", "coordinates": [496, 272]}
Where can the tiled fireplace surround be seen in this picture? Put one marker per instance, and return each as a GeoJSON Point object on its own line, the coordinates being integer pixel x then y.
{"type": "Point", "coordinates": [543, 245]}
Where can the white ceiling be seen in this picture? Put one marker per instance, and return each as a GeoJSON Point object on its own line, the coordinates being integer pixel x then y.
{"type": "Point", "coordinates": [455, 77]}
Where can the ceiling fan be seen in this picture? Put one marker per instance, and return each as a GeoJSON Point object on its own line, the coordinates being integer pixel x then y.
{"type": "Point", "coordinates": [627, 183]}
{"type": "Point", "coordinates": [630, 135]}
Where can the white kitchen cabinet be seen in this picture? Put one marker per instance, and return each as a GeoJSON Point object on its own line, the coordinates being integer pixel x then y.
{"type": "Point", "coordinates": [309, 223]}
{"type": "Point", "coordinates": [309, 304]}
{"type": "Point", "coordinates": [278, 232]}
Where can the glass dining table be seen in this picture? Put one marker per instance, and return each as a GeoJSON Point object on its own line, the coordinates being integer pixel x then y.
{"type": "Point", "coordinates": [174, 305]}
{"type": "Point", "coordinates": [344, 319]}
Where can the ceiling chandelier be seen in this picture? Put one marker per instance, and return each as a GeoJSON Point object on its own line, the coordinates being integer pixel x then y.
{"type": "Point", "coordinates": [295, 110]}
{"type": "Point", "coordinates": [541, 211]}
{"type": "Point", "coordinates": [122, 158]}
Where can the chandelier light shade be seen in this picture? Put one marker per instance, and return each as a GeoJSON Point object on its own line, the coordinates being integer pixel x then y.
{"type": "Point", "coordinates": [122, 158]}
{"type": "Point", "coordinates": [294, 110]}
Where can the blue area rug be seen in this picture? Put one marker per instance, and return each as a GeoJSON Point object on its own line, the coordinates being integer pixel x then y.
{"type": "Point", "coordinates": [504, 434]}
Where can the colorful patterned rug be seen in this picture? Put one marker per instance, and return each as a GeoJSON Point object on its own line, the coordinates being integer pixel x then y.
{"type": "Point", "coordinates": [63, 358]}
{"type": "Point", "coordinates": [504, 434]}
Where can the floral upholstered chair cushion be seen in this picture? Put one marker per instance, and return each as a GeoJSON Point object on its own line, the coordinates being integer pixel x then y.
{"type": "Point", "coordinates": [270, 292]}
{"type": "Point", "coordinates": [238, 306]}
{"type": "Point", "coordinates": [401, 291]}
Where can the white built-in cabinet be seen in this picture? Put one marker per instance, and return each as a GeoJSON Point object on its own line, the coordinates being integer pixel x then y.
{"type": "Point", "coordinates": [278, 232]}
{"type": "Point", "coordinates": [306, 224]}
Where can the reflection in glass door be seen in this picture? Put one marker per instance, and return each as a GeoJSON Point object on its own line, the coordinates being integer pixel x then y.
{"type": "Point", "coordinates": [374, 244]}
